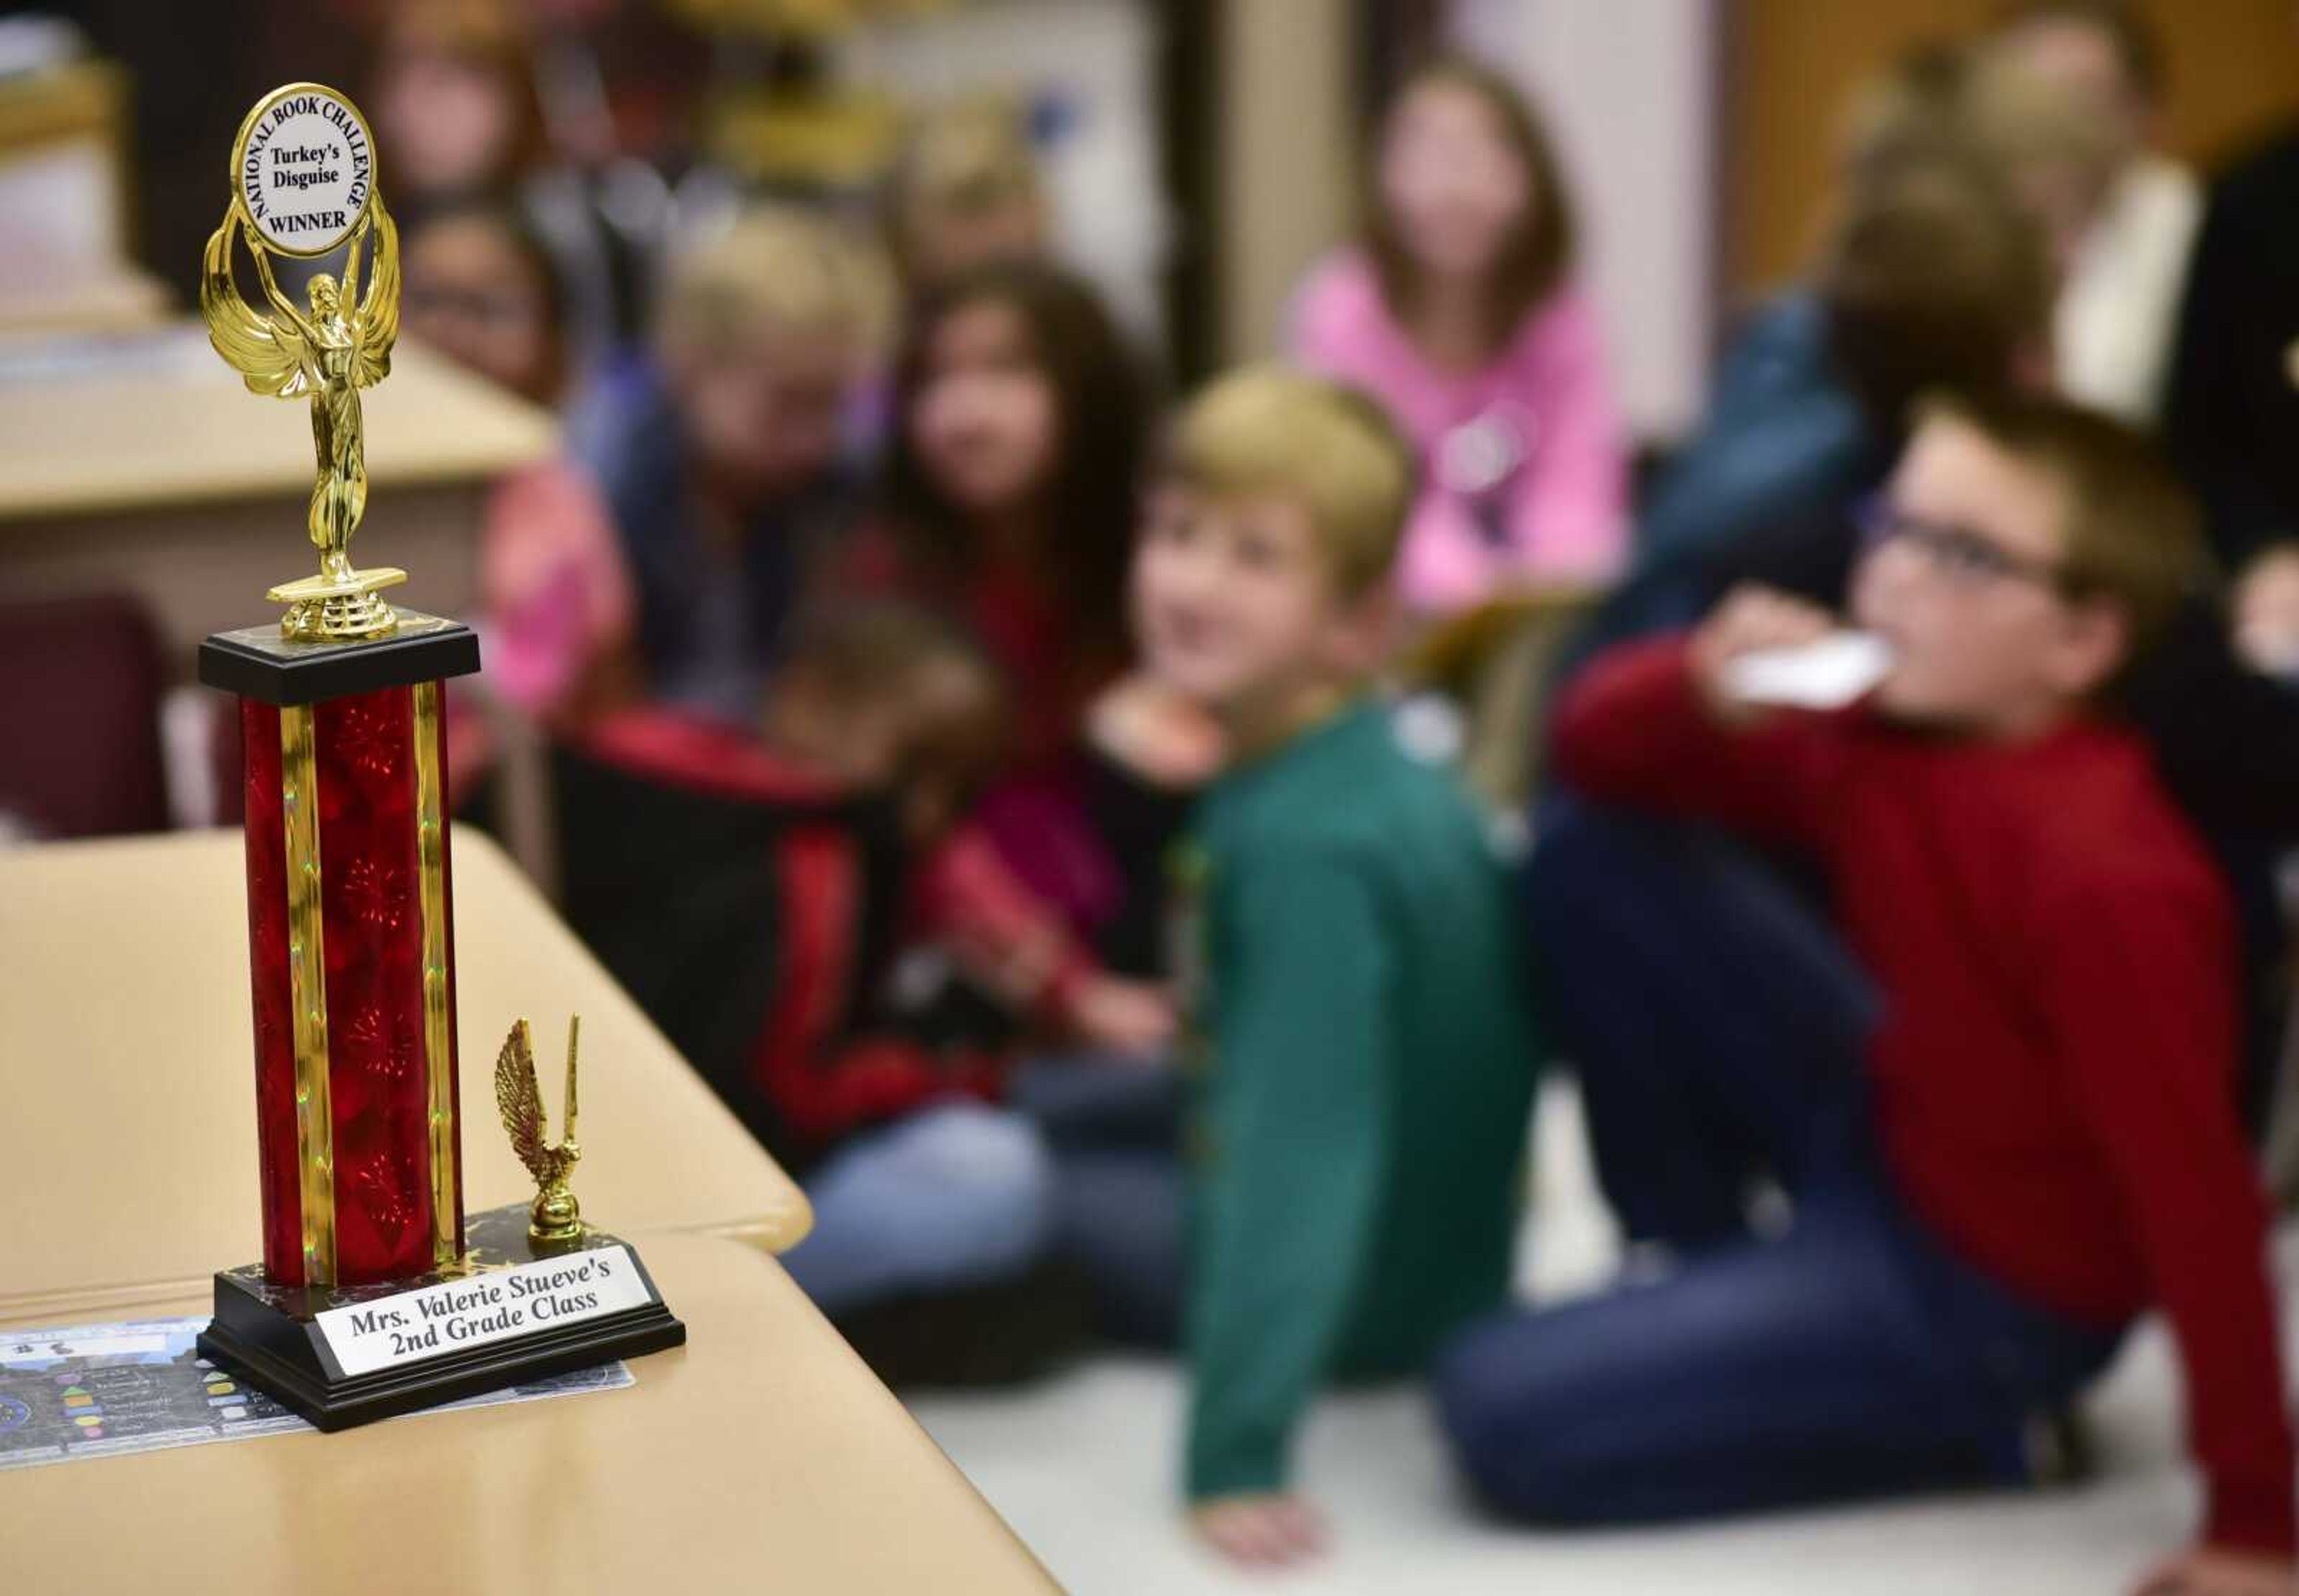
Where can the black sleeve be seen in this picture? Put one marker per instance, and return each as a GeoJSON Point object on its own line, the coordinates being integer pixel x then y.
{"type": "Point", "coordinates": [2232, 410]}
{"type": "Point", "coordinates": [2226, 738]}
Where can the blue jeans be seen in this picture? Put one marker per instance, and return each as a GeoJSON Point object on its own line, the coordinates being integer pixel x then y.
{"type": "Point", "coordinates": [1718, 1026]}
{"type": "Point", "coordinates": [956, 1194]}
{"type": "Point", "coordinates": [1120, 1193]}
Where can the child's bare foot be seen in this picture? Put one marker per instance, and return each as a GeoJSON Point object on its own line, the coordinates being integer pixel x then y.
{"type": "Point", "coordinates": [2213, 1571]}
{"type": "Point", "coordinates": [1263, 1531]}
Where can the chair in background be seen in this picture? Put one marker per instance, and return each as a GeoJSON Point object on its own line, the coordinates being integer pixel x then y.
{"type": "Point", "coordinates": [1494, 662]}
{"type": "Point", "coordinates": [79, 722]}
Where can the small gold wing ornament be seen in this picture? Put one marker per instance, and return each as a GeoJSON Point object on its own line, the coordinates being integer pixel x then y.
{"type": "Point", "coordinates": [556, 1216]}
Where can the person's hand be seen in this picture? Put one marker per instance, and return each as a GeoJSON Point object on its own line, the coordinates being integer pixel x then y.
{"type": "Point", "coordinates": [1157, 734]}
{"type": "Point", "coordinates": [2266, 619]}
{"type": "Point", "coordinates": [1133, 1019]}
{"type": "Point", "coordinates": [2222, 1571]}
{"type": "Point", "coordinates": [1750, 620]}
{"type": "Point", "coordinates": [1263, 1531]}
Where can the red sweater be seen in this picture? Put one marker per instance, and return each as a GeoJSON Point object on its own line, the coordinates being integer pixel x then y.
{"type": "Point", "coordinates": [2053, 1076]}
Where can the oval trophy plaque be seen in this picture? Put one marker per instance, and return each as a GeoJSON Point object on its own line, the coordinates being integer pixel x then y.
{"type": "Point", "coordinates": [303, 167]}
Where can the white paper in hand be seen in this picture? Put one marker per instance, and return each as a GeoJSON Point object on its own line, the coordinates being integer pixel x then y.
{"type": "Point", "coordinates": [1824, 674]}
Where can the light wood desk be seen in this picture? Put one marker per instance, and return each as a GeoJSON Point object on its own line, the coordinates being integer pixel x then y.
{"type": "Point", "coordinates": [120, 298]}
{"type": "Point", "coordinates": [126, 1050]}
{"type": "Point", "coordinates": [139, 460]}
{"type": "Point", "coordinates": [761, 1456]}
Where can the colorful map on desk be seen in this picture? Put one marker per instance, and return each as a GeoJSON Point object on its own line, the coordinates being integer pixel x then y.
{"type": "Point", "coordinates": [97, 1390]}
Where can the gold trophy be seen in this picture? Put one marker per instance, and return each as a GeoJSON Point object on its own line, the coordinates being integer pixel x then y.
{"type": "Point", "coordinates": [377, 1293]}
{"type": "Point", "coordinates": [308, 146]}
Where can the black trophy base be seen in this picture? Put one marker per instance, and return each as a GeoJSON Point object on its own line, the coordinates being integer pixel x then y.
{"type": "Point", "coordinates": [257, 662]}
{"type": "Point", "coordinates": [271, 1337]}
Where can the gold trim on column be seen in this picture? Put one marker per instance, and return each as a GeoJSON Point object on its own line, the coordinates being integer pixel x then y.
{"type": "Point", "coordinates": [307, 982]}
{"type": "Point", "coordinates": [431, 845]}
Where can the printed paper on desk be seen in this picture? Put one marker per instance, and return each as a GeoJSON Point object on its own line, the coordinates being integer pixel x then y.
{"type": "Point", "coordinates": [1826, 675]}
{"type": "Point", "coordinates": [82, 1391]}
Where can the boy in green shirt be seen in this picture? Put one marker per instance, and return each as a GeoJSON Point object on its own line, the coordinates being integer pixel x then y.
{"type": "Point", "coordinates": [1366, 1055]}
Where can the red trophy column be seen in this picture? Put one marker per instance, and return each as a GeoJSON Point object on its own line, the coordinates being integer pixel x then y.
{"type": "Point", "coordinates": [350, 951]}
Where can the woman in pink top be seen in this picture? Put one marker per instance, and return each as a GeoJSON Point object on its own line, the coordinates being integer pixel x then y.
{"type": "Point", "coordinates": [1458, 313]}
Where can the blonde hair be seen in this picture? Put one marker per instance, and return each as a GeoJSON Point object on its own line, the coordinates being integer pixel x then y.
{"type": "Point", "coordinates": [772, 267]}
{"type": "Point", "coordinates": [1266, 429]}
{"type": "Point", "coordinates": [963, 160]}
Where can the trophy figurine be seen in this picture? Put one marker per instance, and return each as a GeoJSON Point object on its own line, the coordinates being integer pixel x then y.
{"type": "Point", "coordinates": [344, 345]}
{"type": "Point", "coordinates": [374, 1295]}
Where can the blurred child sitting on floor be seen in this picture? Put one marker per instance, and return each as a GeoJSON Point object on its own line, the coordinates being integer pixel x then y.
{"type": "Point", "coordinates": [1931, 277]}
{"type": "Point", "coordinates": [555, 596]}
{"type": "Point", "coordinates": [918, 1187]}
{"type": "Point", "coordinates": [1365, 1055]}
{"type": "Point", "coordinates": [1459, 312]}
{"type": "Point", "coordinates": [721, 449]}
{"type": "Point", "coordinates": [2023, 1137]}
{"type": "Point", "coordinates": [1011, 494]}
{"type": "Point", "coordinates": [886, 699]}
{"type": "Point", "coordinates": [1937, 279]}
{"type": "Point", "coordinates": [787, 961]}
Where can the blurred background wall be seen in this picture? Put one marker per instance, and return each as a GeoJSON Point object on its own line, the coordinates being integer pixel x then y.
{"type": "Point", "coordinates": [1633, 91]}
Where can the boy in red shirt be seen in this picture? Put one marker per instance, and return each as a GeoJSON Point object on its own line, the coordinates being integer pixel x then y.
{"type": "Point", "coordinates": [2023, 1136]}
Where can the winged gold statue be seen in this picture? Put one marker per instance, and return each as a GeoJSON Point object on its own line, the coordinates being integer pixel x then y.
{"type": "Point", "coordinates": [326, 353]}
{"type": "Point", "coordinates": [556, 1216]}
